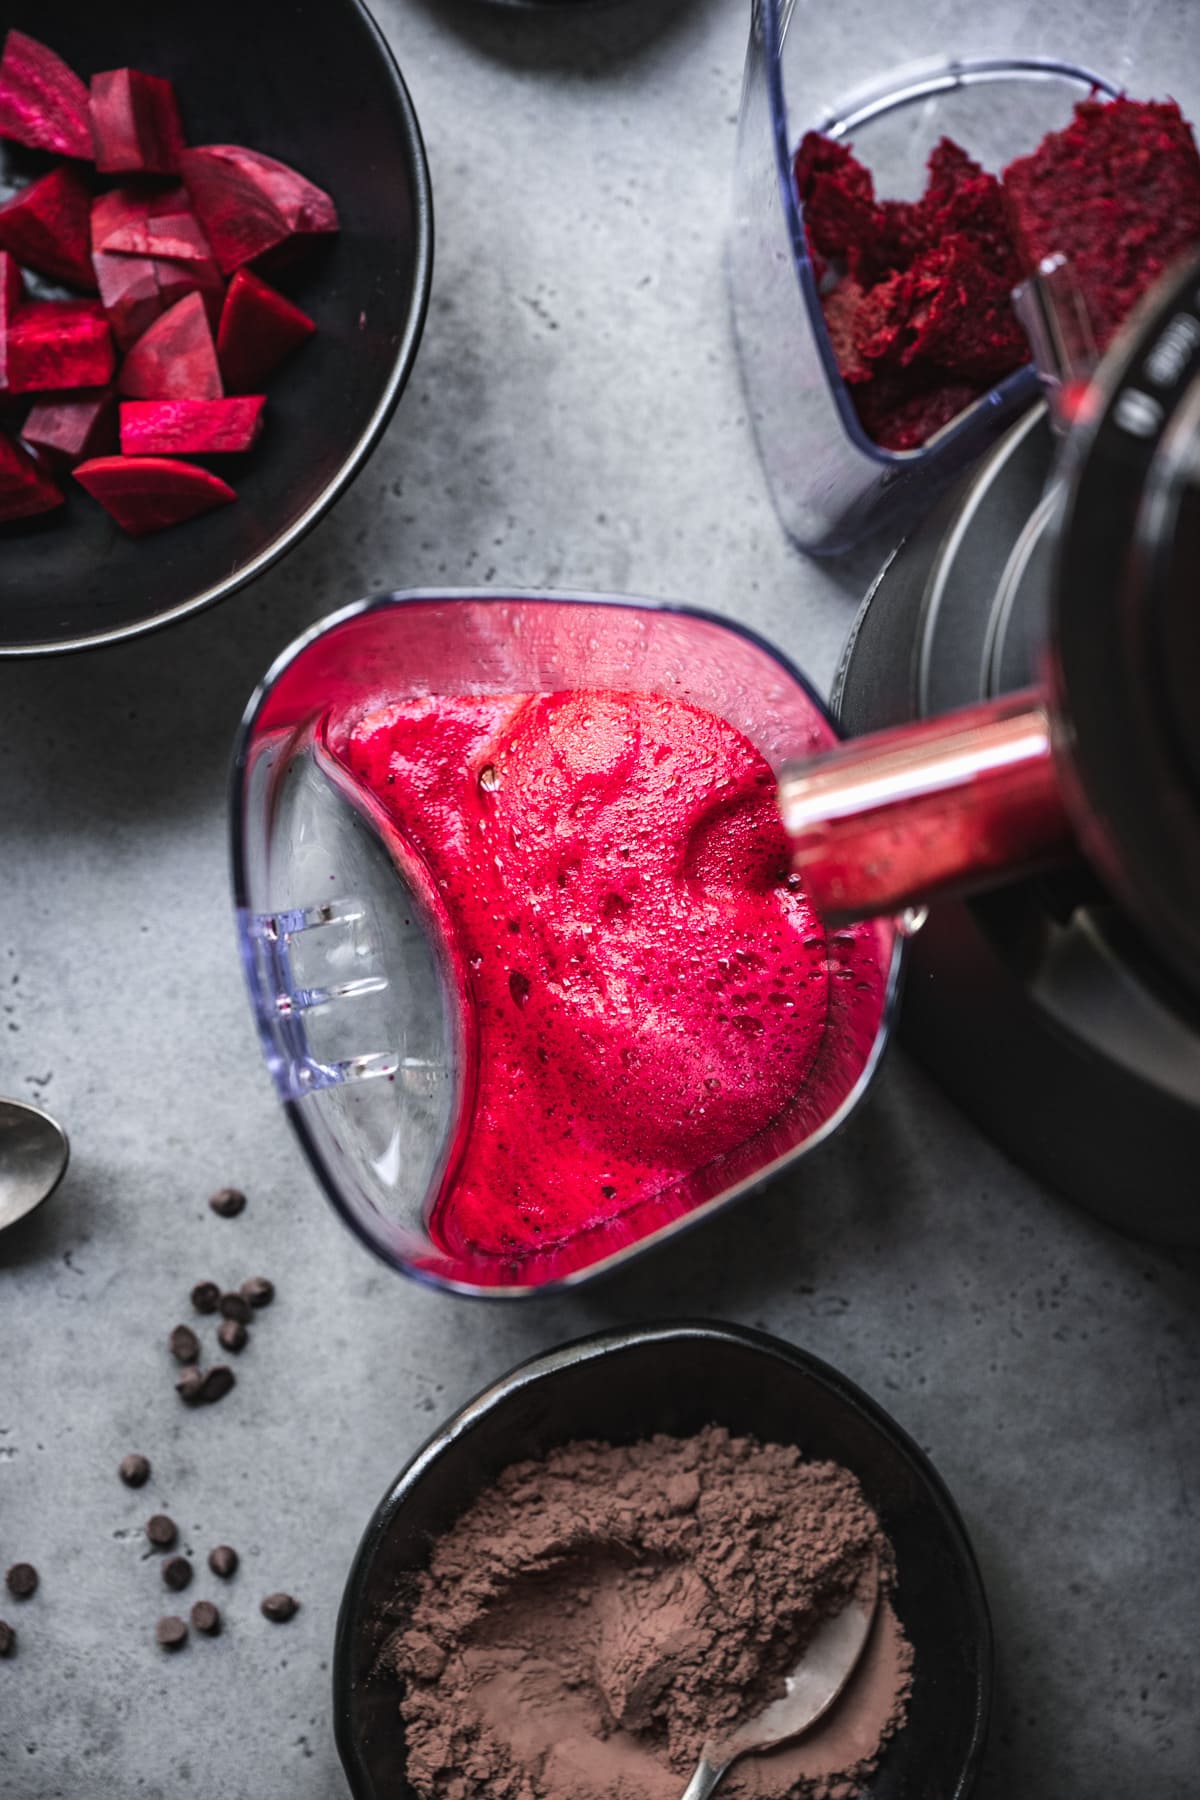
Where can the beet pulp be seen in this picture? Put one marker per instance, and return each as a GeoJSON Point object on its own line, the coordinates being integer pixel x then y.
{"type": "Point", "coordinates": [191, 427]}
{"type": "Point", "coordinates": [135, 123]}
{"type": "Point", "coordinates": [42, 102]}
{"type": "Point", "coordinates": [148, 493]}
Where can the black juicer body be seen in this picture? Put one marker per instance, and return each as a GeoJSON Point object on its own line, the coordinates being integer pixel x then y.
{"type": "Point", "coordinates": [1064, 1021]}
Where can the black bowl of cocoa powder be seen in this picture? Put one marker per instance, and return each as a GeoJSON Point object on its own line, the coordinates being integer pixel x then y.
{"type": "Point", "coordinates": [623, 1387]}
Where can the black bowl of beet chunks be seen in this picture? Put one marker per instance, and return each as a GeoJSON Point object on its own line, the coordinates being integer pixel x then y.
{"type": "Point", "coordinates": [215, 257]}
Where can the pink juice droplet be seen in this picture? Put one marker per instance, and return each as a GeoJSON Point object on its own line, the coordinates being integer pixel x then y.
{"type": "Point", "coordinates": [619, 953]}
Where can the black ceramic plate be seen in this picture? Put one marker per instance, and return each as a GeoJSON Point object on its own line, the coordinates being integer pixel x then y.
{"type": "Point", "coordinates": [311, 82]}
{"type": "Point", "coordinates": [622, 1386]}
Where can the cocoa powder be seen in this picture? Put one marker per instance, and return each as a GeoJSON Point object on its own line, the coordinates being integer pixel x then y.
{"type": "Point", "coordinates": [596, 1615]}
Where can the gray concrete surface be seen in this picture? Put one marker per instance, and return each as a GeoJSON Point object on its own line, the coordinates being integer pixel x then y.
{"type": "Point", "coordinates": [575, 418]}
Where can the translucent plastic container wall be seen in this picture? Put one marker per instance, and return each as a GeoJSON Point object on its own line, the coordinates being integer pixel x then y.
{"type": "Point", "coordinates": [354, 988]}
{"type": "Point", "coordinates": [892, 80]}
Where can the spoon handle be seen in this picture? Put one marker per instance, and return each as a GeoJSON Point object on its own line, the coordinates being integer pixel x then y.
{"type": "Point", "coordinates": [704, 1781]}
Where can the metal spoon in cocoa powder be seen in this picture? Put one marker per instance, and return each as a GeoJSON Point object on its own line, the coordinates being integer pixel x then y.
{"type": "Point", "coordinates": [830, 1658]}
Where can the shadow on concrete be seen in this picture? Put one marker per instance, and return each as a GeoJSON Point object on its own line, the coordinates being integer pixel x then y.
{"type": "Point", "coordinates": [587, 36]}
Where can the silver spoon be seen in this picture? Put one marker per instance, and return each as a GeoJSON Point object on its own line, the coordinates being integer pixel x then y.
{"type": "Point", "coordinates": [830, 1658]}
{"type": "Point", "coordinates": [33, 1159]}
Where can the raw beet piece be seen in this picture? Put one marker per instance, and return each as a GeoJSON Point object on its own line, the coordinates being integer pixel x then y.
{"type": "Point", "coordinates": [135, 123]}
{"type": "Point", "coordinates": [12, 295]}
{"type": "Point", "coordinates": [66, 431]}
{"type": "Point", "coordinates": [155, 277]}
{"type": "Point", "coordinates": [42, 102]}
{"type": "Point", "coordinates": [258, 329]}
{"type": "Point", "coordinates": [177, 235]}
{"type": "Point", "coordinates": [174, 359]}
{"type": "Point", "coordinates": [148, 493]}
{"type": "Point", "coordinates": [126, 210]}
{"type": "Point", "coordinates": [176, 279]}
{"type": "Point", "coordinates": [47, 227]}
{"type": "Point", "coordinates": [129, 292]}
{"type": "Point", "coordinates": [12, 287]}
{"type": "Point", "coordinates": [25, 489]}
{"type": "Point", "coordinates": [190, 427]}
{"type": "Point", "coordinates": [56, 344]}
{"type": "Point", "coordinates": [249, 203]}
{"type": "Point", "coordinates": [1117, 193]}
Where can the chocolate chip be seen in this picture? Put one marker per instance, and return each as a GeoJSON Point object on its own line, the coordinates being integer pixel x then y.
{"type": "Point", "coordinates": [8, 1639]}
{"type": "Point", "coordinates": [217, 1383]}
{"type": "Point", "coordinates": [161, 1531]}
{"type": "Point", "coordinates": [134, 1470]}
{"type": "Point", "coordinates": [171, 1632]}
{"type": "Point", "coordinates": [190, 1385]}
{"type": "Point", "coordinates": [232, 1335]}
{"type": "Point", "coordinates": [279, 1608]}
{"type": "Point", "coordinates": [234, 1307]}
{"type": "Point", "coordinates": [223, 1561]}
{"type": "Point", "coordinates": [229, 1202]}
{"type": "Point", "coordinates": [184, 1344]}
{"type": "Point", "coordinates": [258, 1290]}
{"type": "Point", "coordinates": [177, 1573]}
{"type": "Point", "coordinates": [206, 1618]}
{"type": "Point", "coordinates": [206, 1296]}
{"type": "Point", "coordinates": [22, 1581]}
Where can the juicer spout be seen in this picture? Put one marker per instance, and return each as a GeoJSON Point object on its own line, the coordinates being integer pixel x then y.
{"type": "Point", "coordinates": [927, 811]}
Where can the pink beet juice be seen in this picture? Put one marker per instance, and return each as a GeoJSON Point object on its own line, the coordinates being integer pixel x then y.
{"type": "Point", "coordinates": [642, 985]}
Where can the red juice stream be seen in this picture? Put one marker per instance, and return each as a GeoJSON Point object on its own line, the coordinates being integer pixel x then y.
{"type": "Point", "coordinates": [644, 984]}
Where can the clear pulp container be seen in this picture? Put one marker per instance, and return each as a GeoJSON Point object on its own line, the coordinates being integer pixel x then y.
{"type": "Point", "coordinates": [891, 80]}
{"type": "Point", "coordinates": [350, 982]}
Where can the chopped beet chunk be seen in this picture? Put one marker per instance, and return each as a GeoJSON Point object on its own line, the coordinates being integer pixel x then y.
{"type": "Point", "coordinates": [148, 493]}
{"type": "Point", "coordinates": [25, 488]}
{"type": "Point", "coordinates": [42, 102]}
{"type": "Point", "coordinates": [135, 123]}
{"type": "Point", "coordinates": [46, 226]}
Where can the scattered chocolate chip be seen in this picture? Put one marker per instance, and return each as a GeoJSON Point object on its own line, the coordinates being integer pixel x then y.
{"type": "Point", "coordinates": [21, 1581]}
{"type": "Point", "coordinates": [206, 1618]}
{"type": "Point", "coordinates": [234, 1307]}
{"type": "Point", "coordinates": [279, 1608]}
{"type": "Point", "coordinates": [161, 1531]}
{"type": "Point", "coordinates": [171, 1632]}
{"type": "Point", "coordinates": [184, 1344]}
{"type": "Point", "coordinates": [217, 1383]}
{"type": "Point", "coordinates": [190, 1385]}
{"type": "Point", "coordinates": [177, 1573]}
{"type": "Point", "coordinates": [134, 1470]}
{"type": "Point", "coordinates": [206, 1296]}
{"type": "Point", "coordinates": [229, 1202]}
{"type": "Point", "coordinates": [223, 1561]}
{"type": "Point", "coordinates": [258, 1290]}
{"type": "Point", "coordinates": [8, 1639]}
{"type": "Point", "coordinates": [232, 1335]}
